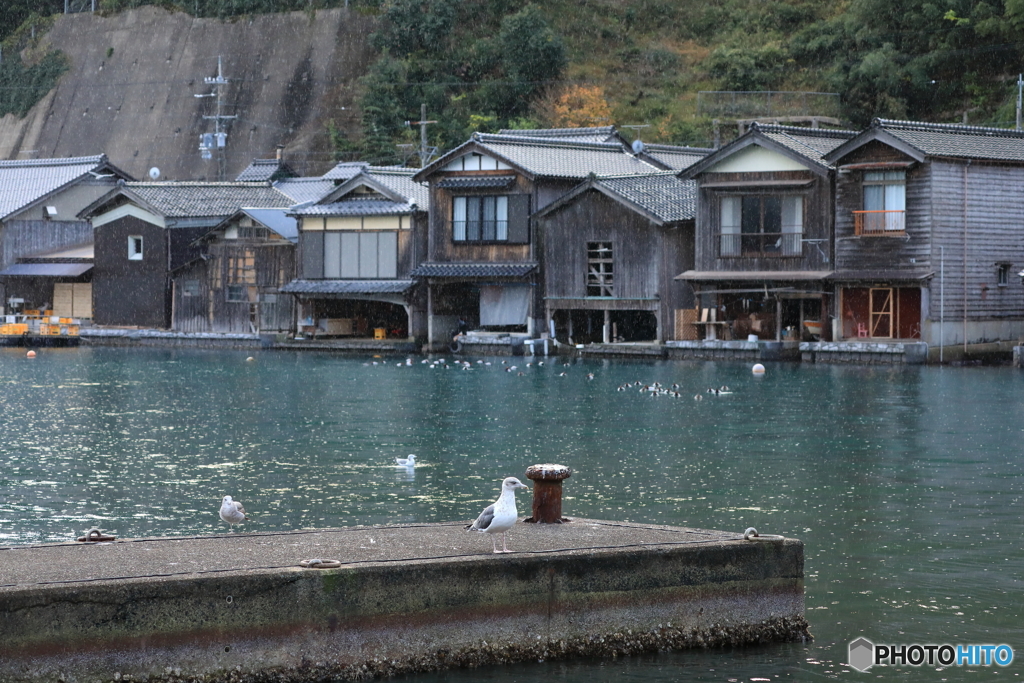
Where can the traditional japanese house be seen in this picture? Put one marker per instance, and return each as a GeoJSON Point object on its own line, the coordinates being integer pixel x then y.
{"type": "Point", "coordinates": [144, 232]}
{"type": "Point", "coordinates": [358, 245]}
{"type": "Point", "coordinates": [482, 265]}
{"type": "Point", "coordinates": [764, 234]}
{"type": "Point", "coordinates": [613, 246]}
{"type": "Point", "coordinates": [46, 254]}
{"type": "Point", "coordinates": [233, 286]}
{"type": "Point", "coordinates": [928, 220]}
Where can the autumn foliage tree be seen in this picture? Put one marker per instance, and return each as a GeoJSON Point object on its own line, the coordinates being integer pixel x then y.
{"type": "Point", "coordinates": [574, 106]}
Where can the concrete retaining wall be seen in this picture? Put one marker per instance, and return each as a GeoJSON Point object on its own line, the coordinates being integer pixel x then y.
{"type": "Point", "coordinates": [868, 353]}
{"type": "Point", "coordinates": [626, 594]}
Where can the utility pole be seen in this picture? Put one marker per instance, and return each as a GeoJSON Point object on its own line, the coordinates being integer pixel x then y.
{"type": "Point", "coordinates": [426, 153]}
{"type": "Point", "coordinates": [219, 138]}
{"type": "Point", "coordinates": [1020, 89]}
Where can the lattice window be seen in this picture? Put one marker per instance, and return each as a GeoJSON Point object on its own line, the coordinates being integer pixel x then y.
{"type": "Point", "coordinates": [600, 269]}
{"type": "Point", "coordinates": [241, 268]}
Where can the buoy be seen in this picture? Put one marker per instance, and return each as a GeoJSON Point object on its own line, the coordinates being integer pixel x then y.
{"type": "Point", "coordinates": [249, 359]}
{"type": "Point", "coordinates": [31, 354]}
{"type": "Point", "coordinates": [758, 369]}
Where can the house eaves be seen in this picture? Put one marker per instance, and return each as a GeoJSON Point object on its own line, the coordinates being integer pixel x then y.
{"type": "Point", "coordinates": [755, 137]}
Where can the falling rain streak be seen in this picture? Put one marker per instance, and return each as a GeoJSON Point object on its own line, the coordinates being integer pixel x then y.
{"type": "Point", "coordinates": [904, 483]}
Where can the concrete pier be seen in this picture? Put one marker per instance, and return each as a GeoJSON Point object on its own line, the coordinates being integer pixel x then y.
{"type": "Point", "coordinates": [238, 607]}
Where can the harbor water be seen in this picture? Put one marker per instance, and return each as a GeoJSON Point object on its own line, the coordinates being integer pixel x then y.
{"type": "Point", "coordinates": [905, 484]}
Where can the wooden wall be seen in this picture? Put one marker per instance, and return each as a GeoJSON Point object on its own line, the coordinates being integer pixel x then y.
{"type": "Point", "coordinates": [818, 218]}
{"type": "Point", "coordinates": [129, 292]}
{"type": "Point", "coordinates": [30, 237]}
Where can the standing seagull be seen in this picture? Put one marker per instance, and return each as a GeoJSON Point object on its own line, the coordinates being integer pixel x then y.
{"type": "Point", "coordinates": [409, 462]}
{"type": "Point", "coordinates": [232, 512]}
{"type": "Point", "coordinates": [501, 516]}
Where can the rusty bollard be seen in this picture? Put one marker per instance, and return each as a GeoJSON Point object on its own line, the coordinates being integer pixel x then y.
{"type": "Point", "coordinates": [547, 492]}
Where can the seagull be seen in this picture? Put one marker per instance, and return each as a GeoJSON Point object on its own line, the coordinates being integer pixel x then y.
{"type": "Point", "coordinates": [232, 512]}
{"type": "Point", "coordinates": [501, 516]}
{"type": "Point", "coordinates": [409, 462]}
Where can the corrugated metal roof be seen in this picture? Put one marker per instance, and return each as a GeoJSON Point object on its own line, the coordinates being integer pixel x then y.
{"type": "Point", "coordinates": [882, 275]}
{"type": "Point", "coordinates": [24, 182]}
{"type": "Point", "coordinates": [952, 140]}
{"type": "Point", "coordinates": [477, 181]}
{"type": "Point", "coordinates": [356, 207]}
{"type": "Point", "coordinates": [277, 220]}
{"type": "Point", "coordinates": [662, 194]}
{"type": "Point", "coordinates": [750, 275]}
{"type": "Point", "coordinates": [473, 270]}
{"type": "Point", "coordinates": [204, 199]}
{"type": "Point", "coordinates": [46, 270]}
{"type": "Point", "coordinates": [348, 286]}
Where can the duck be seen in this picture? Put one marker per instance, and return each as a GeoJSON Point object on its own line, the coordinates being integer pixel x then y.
{"type": "Point", "coordinates": [698, 397]}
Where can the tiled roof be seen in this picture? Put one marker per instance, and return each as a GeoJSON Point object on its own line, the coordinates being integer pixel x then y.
{"type": "Point", "coordinates": [675, 157]}
{"type": "Point", "coordinates": [346, 170]}
{"type": "Point", "coordinates": [202, 199]}
{"type": "Point", "coordinates": [303, 190]}
{"type": "Point", "coordinates": [24, 182]}
{"type": "Point", "coordinates": [400, 180]}
{"type": "Point", "coordinates": [471, 270]}
{"type": "Point", "coordinates": [356, 207]}
{"type": "Point", "coordinates": [813, 143]}
{"type": "Point", "coordinates": [348, 286]}
{"type": "Point", "coordinates": [596, 134]}
{"type": "Point", "coordinates": [480, 181]}
{"type": "Point", "coordinates": [952, 140]}
{"type": "Point", "coordinates": [265, 170]}
{"type": "Point", "coordinates": [662, 194]}
{"type": "Point", "coordinates": [559, 159]}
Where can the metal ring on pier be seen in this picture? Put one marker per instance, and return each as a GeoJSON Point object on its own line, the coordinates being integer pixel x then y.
{"type": "Point", "coordinates": [751, 535]}
{"type": "Point", "coordinates": [96, 536]}
{"type": "Point", "coordinates": [319, 564]}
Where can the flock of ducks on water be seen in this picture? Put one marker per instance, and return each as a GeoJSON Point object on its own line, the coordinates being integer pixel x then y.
{"type": "Point", "coordinates": [655, 389]}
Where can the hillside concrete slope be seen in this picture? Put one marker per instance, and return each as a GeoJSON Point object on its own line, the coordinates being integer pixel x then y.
{"type": "Point", "coordinates": [130, 90]}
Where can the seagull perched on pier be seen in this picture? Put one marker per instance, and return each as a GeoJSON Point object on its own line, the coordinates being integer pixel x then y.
{"type": "Point", "coordinates": [232, 512]}
{"type": "Point", "coordinates": [501, 516]}
{"type": "Point", "coordinates": [409, 462]}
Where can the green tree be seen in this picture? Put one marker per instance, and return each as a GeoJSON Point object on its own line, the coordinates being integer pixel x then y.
{"type": "Point", "coordinates": [532, 56]}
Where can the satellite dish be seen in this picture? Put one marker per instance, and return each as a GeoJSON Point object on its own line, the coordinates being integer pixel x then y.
{"type": "Point", "coordinates": [154, 173]}
{"type": "Point", "coordinates": [638, 146]}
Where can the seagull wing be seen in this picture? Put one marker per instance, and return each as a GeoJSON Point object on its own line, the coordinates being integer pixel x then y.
{"type": "Point", "coordinates": [484, 520]}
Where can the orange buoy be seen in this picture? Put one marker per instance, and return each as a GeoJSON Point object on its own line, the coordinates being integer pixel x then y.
{"type": "Point", "coordinates": [31, 354]}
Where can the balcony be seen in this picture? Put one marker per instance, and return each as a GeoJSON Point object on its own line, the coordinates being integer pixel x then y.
{"type": "Point", "coordinates": [879, 223]}
{"type": "Point", "coordinates": [762, 244]}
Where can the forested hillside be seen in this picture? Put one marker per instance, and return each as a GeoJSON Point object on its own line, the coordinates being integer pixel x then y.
{"type": "Point", "coordinates": [489, 64]}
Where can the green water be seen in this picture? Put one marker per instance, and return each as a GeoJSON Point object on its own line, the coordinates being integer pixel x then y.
{"type": "Point", "coordinates": [905, 484]}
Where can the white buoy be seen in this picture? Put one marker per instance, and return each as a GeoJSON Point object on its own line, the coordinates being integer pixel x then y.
{"type": "Point", "coordinates": [250, 359]}
{"type": "Point", "coordinates": [758, 369]}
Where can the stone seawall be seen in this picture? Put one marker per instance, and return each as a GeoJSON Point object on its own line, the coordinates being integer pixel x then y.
{"type": "Point", "coordinates": [238, 607]}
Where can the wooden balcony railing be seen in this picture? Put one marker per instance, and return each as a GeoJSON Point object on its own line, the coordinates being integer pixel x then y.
{"type": "Point", "coordinates": [761, 244]}
{"type": "Point", "coordinates": [874, 223]}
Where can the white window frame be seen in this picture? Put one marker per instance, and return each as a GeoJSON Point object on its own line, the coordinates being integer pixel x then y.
{"type": "Point", "coordinates": [135, 247]}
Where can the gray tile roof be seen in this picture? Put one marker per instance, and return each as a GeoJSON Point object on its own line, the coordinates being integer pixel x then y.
{"type": "Point", "coordinates": [264, 170]}
{"type": "Point", "coordinates": [348, 286]}
{"type": "Point", "coordinates": [303, 190]}
{"type": "Point", "coordinates": [813, 143]}
{"type": "Point", "coordinates": [675, 157]}
{"type": "Point", "coordinates": [473, 270]}
{"type": "Point", "coordinates": [24, 182]}
{"type": "Point", "coordinates": [952, 140]}
{"type": "Point", "coordinates": [559, 159]}
{"type": "Point", "coordinates": [356, 207]}
{"type": "Point", "coordinates": [345, 170]}
{"type": "Point", "coordinates": [400, 180]}
{"type": "Point", "coordinates": [480, 181]}
{"type": "Point", "coordinates": [661, 194]}
{"type": "Point", "coordinates": [203, 199]}
{"type": "Point", "coordinates": [596, 134]}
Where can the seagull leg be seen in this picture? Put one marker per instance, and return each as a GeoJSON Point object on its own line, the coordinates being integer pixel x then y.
{"type": "Point", "coordinates": [504, 543]}
{"type": "Point", "coordinates": [494, 544]}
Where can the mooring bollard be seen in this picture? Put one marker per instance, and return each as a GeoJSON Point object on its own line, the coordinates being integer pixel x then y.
{"type": "Point", "coordinates": [547, 492]}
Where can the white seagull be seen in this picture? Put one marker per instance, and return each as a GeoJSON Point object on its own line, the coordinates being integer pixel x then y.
{"type": "Point", "coordinates": [501, 516]}
{"type": "Point", "coordinates": [232, 512]}
{"type": "Point", "coordinates": [409, 462]}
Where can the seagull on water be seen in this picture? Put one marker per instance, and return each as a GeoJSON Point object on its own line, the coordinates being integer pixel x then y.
{"type": "Point", "coordinates": [232, 512]}
{"type": "Point", "coordinates": [501, 516]}
{"type": "Point", "coordinates": [409, 462]}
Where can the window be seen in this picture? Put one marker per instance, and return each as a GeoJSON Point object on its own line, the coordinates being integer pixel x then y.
{"type": "Point", "coordinates": [480, 219]}
{"type": "Point", "coordinates": [350, 254]}
{"type": "Point", "coordinates": [1003, 274]}
{"type": "Point", "coordinates": [761, 225]}
{"type": "Point", "coordinates": [885, 201]}
{"type": "Point", "coordinates": [190, 287]}
{"type": "Point", "coordinates": [135, 248]}
{"type": "Point", "coordinates": [600, 273]}
{"type": "Point", "coordinates": [253, 232]}
{"type": "Point", "coordinates": [237, 293]}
